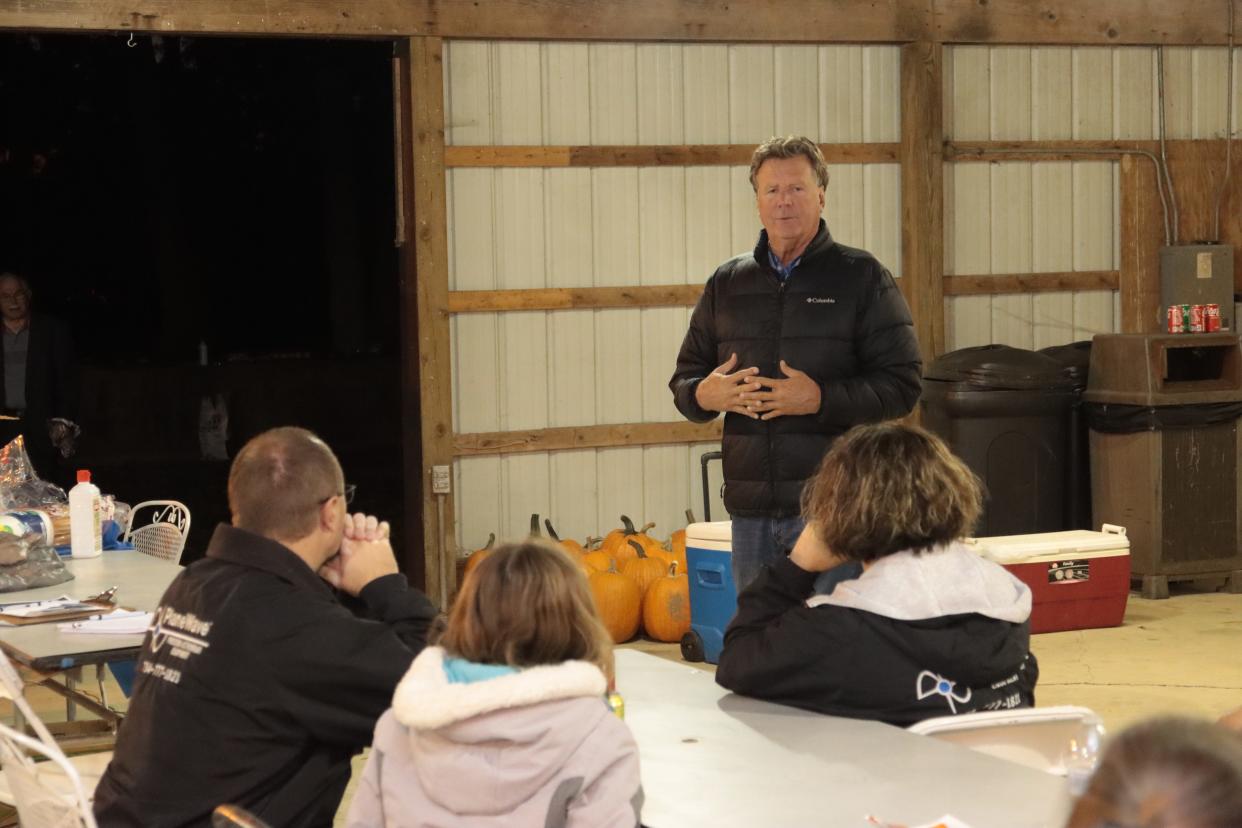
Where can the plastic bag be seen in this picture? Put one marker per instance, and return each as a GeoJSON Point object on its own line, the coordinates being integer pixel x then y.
{"type": "Point", "coordinates": [42, 567]}
{"type": "Point", "coordinates": [20, 486]}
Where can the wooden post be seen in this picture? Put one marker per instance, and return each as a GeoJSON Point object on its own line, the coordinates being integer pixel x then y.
{"type": "Point", "coordinates": [922, 192]}
{"type": "Point", "coordinates": [426, 375]}
{"type": "Point", "coordinates": [1141, 235]}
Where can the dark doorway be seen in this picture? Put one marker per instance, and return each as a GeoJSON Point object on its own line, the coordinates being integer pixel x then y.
{"type": "Point", "coordinates": [215, 219]}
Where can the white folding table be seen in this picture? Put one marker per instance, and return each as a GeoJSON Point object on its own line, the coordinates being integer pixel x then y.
{"type": "Point", "coordinates": [712, 758]}
{"type": "Point", "coordinates": [140, 581]}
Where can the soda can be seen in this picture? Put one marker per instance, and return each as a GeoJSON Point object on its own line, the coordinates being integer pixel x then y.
{"type": "Point", "coordinates": [1196, 319]}
{"type": "Point", "coordinates": [1175, 318]}
{"type": "Point", "coordinates": [1185, 318]}
{"type": "Point", "coordinates": [1211, 317]}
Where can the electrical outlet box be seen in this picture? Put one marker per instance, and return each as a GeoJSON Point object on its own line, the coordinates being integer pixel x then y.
{"type": "Point", "coordinates": [1197, 274]}
{"type": "Point", "coordinates": [440, 480]}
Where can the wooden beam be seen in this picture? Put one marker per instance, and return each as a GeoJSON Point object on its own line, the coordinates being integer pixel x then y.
{"type": "Point", "coordinates": [676, 155]}
{"type": "Point", "coordinates": [1141, 234]}
{"type": "Point", "coordinates": [1085, 22]}
{"type": "Point", "coordinates": [922, 192]}
{"type": "Point", "coordinates": [1097, 22]}
{"type": "Point", "coordinates": [990, 151]}
{"type": "Point", "coordinates": [433, 394]}
{"type": "Point", "coordinates": [1032, 282]}
{"type": "Point", "coordinates": [584, 437]}
{"type": "Point", "coordinates": [806, 21]}
{"type": "Point", "coordinates": [413, 523]}
{"type": "Point", "coordinates": [638, 296]}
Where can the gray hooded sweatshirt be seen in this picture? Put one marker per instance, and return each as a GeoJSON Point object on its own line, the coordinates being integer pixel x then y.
{"type": "Point", "coordinates": [538, 748]}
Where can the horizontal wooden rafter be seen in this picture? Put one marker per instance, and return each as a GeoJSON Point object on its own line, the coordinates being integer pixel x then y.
{"type": "Point", "coordinates": [963, 151]}
{"type": "Point", "coordinates": [536, 299]}
{"type": "Point", "coordinates": [1032, 282]}
{"type": "Point", "coordinates": [1086, 22]}
{"type": "Point", "coordinates": [673, 155]}
{"type": "Point", "coordinates": [584, 437]}
{"type": "Point", "coordinates": [808, 21]}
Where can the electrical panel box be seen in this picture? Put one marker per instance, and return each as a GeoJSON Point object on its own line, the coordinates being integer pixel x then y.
{"type": "Point", "coordinates": [1197, 274]}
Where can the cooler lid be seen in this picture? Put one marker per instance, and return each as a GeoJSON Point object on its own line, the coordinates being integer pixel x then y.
{"type": "Point", "coordinates": [1074, 543]}
{"type": "Point", "coordinates": [718, 531]}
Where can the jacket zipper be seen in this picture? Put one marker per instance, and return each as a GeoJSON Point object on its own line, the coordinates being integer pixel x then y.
{"type": "Point", "coordinates": [780, 327]}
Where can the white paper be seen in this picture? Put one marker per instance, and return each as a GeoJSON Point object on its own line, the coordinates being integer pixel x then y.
{"type": "Point", "coordinates": [117, 622]}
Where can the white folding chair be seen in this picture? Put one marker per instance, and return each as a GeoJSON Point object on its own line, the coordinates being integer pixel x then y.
{"type": "Point", "coordinates": [158, 528]}
{"type": "Point", "coordinates": [1050, 739]}
{"type": "Point", "coordinates": [48, 789]}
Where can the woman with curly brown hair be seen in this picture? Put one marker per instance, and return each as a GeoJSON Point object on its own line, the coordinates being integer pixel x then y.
{"type": "Point", "coordinates": [929, 629]}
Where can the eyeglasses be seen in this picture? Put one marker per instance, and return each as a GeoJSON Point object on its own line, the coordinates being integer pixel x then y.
{"type": "Point", "coordinates": [348, 494]}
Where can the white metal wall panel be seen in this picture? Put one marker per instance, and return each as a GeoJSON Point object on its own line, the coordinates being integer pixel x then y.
{"type": "Point", "coordinates": [968, 319]}
{"type": "Point", "coordinates": [523, 228]}
{"type": "Point", "coordinates": [566, 93]}
{"type": "Point", "coordinates": [706, 92]}
{"type": "Point", "coordinates": [1065, 217]}
{"type": "Point", "coordinates": [796, 81]}
{"type": "Point", "coordinates": [752, 115]}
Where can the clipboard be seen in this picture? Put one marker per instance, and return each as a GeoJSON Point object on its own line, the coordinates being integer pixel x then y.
{"type": "Point", "coordinates": [96, 607]}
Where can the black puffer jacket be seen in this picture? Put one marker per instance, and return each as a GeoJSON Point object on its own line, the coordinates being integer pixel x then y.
{"type": "Point", "coordinates": [840, 318]}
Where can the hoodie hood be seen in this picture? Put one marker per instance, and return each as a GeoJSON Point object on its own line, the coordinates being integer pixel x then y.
{"type": "Point", "coordinates": [516, 730]}
{"type": "Point", "coordinates": [947, 580]}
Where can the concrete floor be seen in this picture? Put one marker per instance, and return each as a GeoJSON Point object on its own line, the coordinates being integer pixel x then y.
{"type": "Point", "coordinates": [1178, 655]}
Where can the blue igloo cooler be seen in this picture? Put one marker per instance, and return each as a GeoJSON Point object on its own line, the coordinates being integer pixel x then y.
{"type": "Point", "coordinates": [713, 597]}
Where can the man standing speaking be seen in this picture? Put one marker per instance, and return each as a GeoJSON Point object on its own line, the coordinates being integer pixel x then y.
{"type": "Point", "coordinates": [795, 342]}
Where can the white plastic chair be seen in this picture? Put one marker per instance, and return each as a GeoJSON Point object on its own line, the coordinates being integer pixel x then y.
{"type": "Point", "coordinates": [1051, 739]}
{"type": "Point", "coordinates": [163, 535]}
{"type": "Point", "coordinates": [55, 792]}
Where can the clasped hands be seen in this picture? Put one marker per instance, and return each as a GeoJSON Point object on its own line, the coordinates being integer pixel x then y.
{"type": "Point", "coordinates": [366, 554]}
{"type": "Point", "coordinates": [761, 398]}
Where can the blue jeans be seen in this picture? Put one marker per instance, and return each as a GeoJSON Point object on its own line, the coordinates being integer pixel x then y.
{"type": "Point", "coordinates": [758, 542]}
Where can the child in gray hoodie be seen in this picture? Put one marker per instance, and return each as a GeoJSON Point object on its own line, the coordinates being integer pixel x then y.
{"type": "Point", "coordinates": [505, 723]}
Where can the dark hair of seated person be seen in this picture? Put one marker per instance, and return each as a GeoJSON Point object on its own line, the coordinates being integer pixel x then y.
{"type": "Point", "coordinates": [888, 488]}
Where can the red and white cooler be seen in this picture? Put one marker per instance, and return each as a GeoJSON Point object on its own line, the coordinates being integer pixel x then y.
{"type": "Point", "coordinates": [1079, 579]}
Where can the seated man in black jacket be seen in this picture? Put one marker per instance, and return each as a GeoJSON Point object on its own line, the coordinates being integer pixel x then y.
{"type": "Point", "coordinates": [929, 629]}
{"type": "Point", "coordinates": [255, 684]}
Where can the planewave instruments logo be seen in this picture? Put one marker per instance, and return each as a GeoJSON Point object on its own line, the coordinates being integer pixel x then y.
{"type": "Point", "coordinates": [185, 634]}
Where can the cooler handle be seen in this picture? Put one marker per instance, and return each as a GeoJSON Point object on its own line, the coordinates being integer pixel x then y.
{"type": "Point", "coordinates": [710, 575]}
{"type": "Point", "coordinates": [1112, 529]}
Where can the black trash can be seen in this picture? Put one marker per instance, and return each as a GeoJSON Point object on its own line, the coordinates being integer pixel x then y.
{"type": "Point", "coordinates": [1006, 412]}
{"type": "Point", "coordinates": [1075, 359]}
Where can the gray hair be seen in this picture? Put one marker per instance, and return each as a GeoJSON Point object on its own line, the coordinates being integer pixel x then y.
{"type": "Point", "coordinates": [791, 146]}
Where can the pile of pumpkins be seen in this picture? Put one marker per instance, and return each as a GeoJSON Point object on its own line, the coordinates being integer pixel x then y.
{"type": "Point", "coordinates": [636, 580]}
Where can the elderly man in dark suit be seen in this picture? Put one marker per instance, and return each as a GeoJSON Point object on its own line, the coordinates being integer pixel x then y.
{"type": "Point", "coordinates": [38, 376]}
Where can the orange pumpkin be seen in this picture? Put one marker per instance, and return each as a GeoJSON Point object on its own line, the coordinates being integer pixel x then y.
{"type": "Point", "coordinates": [677, 545]}
{"type": "Point", "coordinates": [615, 542]}
{"type": "Point", "coordinates": [666, 606]}
{"type": "Point", "coordinates": [570, 544]}
{"type": "Point", "coordinates": [643, 568]}
{"type": "Point", "coordinates": [599, 560]}
{"type": "Point", "coordinates": [477, 556]}
{"type": "Point", "coordinates": [619, 602]}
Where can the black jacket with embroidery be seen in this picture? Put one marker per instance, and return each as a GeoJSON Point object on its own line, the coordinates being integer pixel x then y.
{"type": "Point", "coordinates": [840, 318]}
{"type": "Point", "coordinates": [849, 662]}
{"type": "Point", "coordinates": [255, 687]}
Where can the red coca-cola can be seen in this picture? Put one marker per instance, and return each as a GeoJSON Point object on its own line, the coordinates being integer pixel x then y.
{"type": "Point", "coordinates": [1175, 318]}
{"type": "Point", "coordinates": [1196, 319]}
{"type": "Point", "coordinates": [1211, 317]}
